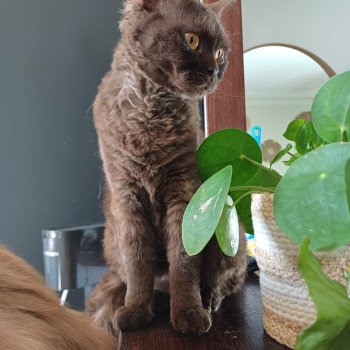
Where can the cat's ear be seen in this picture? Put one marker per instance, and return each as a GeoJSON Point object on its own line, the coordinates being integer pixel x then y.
{"type": "Point", "coordinates": [221, 5]}
{"type": "Point", "coordinates": [149, 5]}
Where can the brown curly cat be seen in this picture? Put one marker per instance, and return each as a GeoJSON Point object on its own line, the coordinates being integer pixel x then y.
{"type": "Point", "coordinates": [32, 318]}
{"type": "Point", "coordinates": [171, 53]}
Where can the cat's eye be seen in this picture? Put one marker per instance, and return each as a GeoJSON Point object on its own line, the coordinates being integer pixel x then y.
{"type": "Point", "coordinates": [219, 55]}
{"type": "Point", "coordinates": [192, 40]}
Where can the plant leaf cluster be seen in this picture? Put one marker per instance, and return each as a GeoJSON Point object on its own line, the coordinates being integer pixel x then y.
{"type": "Point", "coordinates": [230, 167]}
{"type": "Point", "coordinates": [305, 138]}
{"type": "Point", "coordinates": [311, 200]}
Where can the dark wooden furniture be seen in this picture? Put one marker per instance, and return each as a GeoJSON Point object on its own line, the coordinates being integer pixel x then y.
{"type": "Point", "coordinates": [226, 107]}
{"type": "Point", "coordinates": [237, 326]}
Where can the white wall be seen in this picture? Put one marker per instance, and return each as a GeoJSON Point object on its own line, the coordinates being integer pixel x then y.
{"type": "Point", "coordinates": [320, 26]}
{"type": "Point", "coordinates": [273, 117]}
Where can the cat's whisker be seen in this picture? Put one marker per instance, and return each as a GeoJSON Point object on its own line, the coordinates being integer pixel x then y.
{"type": "Point", "coordinates": [88, 112]}
{"type": "Point", "coordinates": [226, 94]}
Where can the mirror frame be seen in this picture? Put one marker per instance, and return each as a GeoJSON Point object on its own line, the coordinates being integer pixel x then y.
{"type": "Point", "coordinates": [325, 66]}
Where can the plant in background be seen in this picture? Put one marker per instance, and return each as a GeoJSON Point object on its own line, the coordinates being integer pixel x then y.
{"type": "Point", "coordinates": [311, 202]}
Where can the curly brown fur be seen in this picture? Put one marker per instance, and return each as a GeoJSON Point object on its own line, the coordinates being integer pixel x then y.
{"type": "Point", "coordinates": [146, 117]}
{"type": "Point", "coordinates": [31, 317]}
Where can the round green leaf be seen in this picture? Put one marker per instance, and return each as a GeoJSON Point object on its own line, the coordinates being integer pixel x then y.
{"type": "Point", "coordinates": [347, 182]}
{"type": "Point", "coordinates": [310, 200]}
{"type": "Point", "coordinates": [226, 147]}
{"type": "Point", "coordinates": [227, 231]}
{"type": "Point", "coordinates": [331, 109]}
{"type": "Point", "coordinates": [203, 212]}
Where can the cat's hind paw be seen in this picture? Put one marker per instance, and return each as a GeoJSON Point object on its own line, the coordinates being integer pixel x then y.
{"type": "Point", "coordinates": [196, 321]}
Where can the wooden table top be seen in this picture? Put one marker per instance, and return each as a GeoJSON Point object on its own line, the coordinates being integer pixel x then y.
{"type": "Point", "coordinates": [237, 325]}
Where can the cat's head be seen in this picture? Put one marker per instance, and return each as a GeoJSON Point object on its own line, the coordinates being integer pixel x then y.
{"type": "Point", "coordinates": [178, 44]}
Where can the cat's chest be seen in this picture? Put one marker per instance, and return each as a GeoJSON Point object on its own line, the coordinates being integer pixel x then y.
{"type": "Point", "coordinates": [155, 129]}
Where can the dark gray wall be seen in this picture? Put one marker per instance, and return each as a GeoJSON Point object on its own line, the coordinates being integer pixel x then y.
{"type": "Point", "coordinates": [52, 57]}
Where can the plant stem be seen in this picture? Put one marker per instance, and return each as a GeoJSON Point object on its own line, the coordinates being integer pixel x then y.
{"type": "Point", "coordinates": [292, 155]}
{"type": "Point", "coordinates": [263, 167]}
{"type": "Point", "coordinates": [254, 189]}
{"type": "Point", "coordinates": [247, 194]}
{"type": "Point", "coordinates": [241, 197]}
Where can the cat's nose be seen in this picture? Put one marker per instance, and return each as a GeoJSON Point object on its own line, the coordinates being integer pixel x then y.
{"type": "Point", "coordinates": [213, 71]}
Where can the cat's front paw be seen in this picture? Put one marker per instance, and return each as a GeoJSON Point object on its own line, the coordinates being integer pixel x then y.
{"type": "Point", "coordinates": [211, 299]}
{"type": "Point", "coordinates": [197, 321]}
{"type": "Point", "coordinates": [132, 317]}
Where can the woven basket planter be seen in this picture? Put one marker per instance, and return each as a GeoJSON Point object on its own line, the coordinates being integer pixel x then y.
{"type": "Point", "coordinates": [287, 306]}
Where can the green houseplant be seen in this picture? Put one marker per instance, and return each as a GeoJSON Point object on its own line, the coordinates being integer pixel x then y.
{"type": "Point", "coordinates": [311, 201]}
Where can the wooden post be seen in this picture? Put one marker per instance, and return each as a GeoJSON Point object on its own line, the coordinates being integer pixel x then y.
{"type": "Point", "coordinates": [225, 108]}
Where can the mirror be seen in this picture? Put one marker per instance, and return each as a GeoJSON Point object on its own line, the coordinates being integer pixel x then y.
{"type": "Point", "coordinates": [280, 84]}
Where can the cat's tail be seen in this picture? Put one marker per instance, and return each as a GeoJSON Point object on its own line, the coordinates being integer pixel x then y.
{"type": "Point", "coordinates": [32, 318]}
